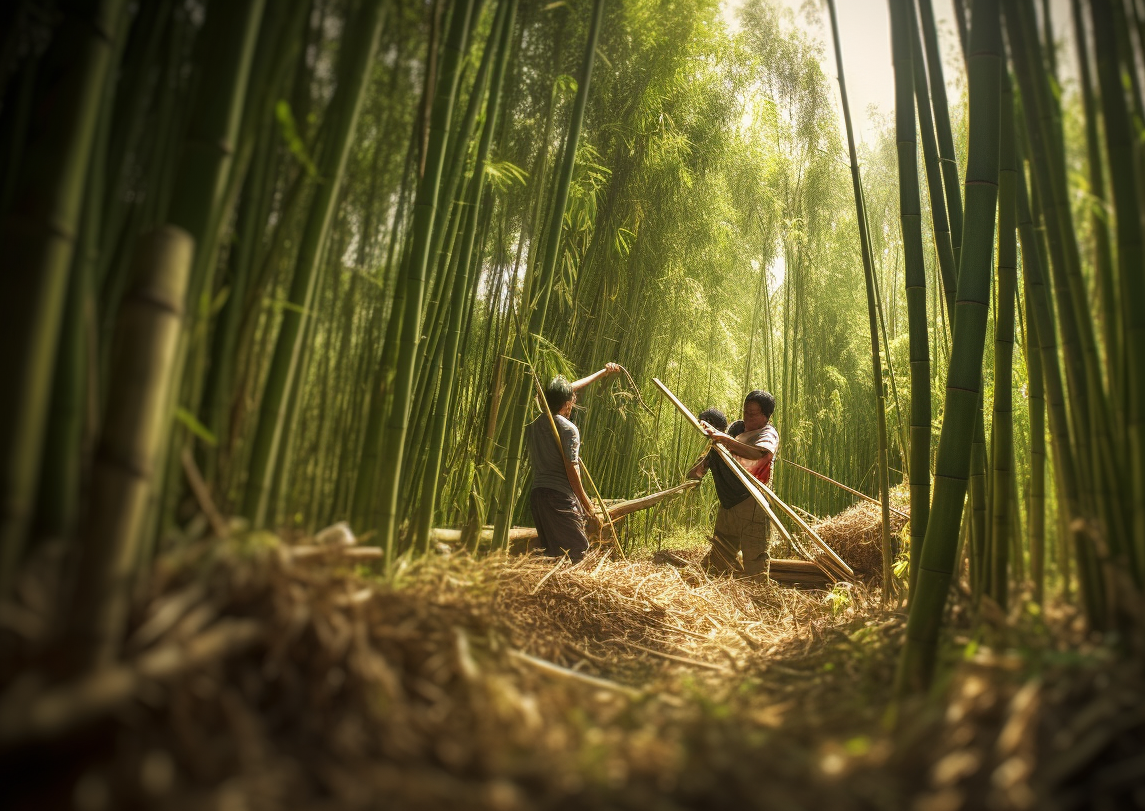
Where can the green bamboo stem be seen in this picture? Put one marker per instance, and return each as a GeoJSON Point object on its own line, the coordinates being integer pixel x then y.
{"type": "Point", "coordinates": [872, 318]}
{"type": "Point", "coordinates": [544, 279]}
{"type": "Point", "coordinates": [1102, 460]}
{"type": "Point", "coordinates": [1003, 422]}
{"type": "Point", "coordinates": [1039, 302]}
{"type": "Point", "coordinates": [425, 212]}
{"type": "Point", "coordinates": [134, 430]}
{"type": "Point", "coordinates": [943, 246]}
{"type": "Point", "coordinates": [281, 385]}
{"type": "Point", "coordinates": [1111, 308]}
{"type": "Point", "coordinates": [276, 51]}
{"type": "Point", "coordinates": [444, 408]}
{"type": "Point", "coordinates": [39, 235]}
{"type": "Point", "coordinates": [914, 272]}
{"type": "Point", "coordinates": [66, 456]}
{"type": "Point", "coordinates": [1036, 522]}
{"type": "Point", "coordinates": [941, 108]}
{"type": "Point", "coordinates": [1120, 145]}
{"type": "Point", "coordinates": [964, 378]}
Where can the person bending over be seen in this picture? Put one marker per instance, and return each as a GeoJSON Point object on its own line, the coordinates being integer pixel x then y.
{"type": "Point", "coordinates": [561, 508]}
{"type": "Point", "coordinates": [742, 525]}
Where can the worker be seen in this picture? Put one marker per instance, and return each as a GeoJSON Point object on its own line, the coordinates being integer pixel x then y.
{"type": "Point", "coordinates": [742, 526]}
{"type": "Point", "coordinates": [561, 508]}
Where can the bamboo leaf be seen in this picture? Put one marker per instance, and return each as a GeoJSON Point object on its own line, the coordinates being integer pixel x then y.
{"type": "Point", "coordinates": [290, 135]}
{"type": "Point", "coordinates": [188, 420]}
{"type": "Point", "coordinates": [283, 304]}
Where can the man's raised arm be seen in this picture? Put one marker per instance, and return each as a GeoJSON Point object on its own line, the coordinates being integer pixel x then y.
{"type": "Point", "coordinates": [610, 368]}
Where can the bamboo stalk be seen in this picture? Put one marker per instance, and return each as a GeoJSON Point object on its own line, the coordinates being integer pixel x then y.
{"type": "Point", "coordinates": [965, 374]}
{"type": "Point", "coordinates": [872, 314]}
{"type": "Point", "coordinates": [135, 427]}
{"type": "Point", "coordinates": [39, 237]}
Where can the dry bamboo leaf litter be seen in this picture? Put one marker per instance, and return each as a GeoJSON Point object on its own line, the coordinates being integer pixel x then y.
{"type": "Point", "coordinates": [507, 683]}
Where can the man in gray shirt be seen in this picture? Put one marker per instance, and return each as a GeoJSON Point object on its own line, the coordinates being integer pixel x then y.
{"type": "Point", "coordinates": [559, 503]}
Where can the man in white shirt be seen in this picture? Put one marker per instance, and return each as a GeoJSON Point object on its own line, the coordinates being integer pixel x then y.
{"type": "Point", "coordinates": [744, 526]}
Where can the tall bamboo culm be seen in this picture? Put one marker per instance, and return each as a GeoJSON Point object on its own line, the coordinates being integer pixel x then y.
{"type": "Point", "coordinates": [868, 276]}
{"type": "Point", "coordinates": [964, 377]}
{"type": "Point", "coordinates": [39, 235]}
{"type": "Point", "coordinates": [424, 213]}
{"type": "Point", "coordinates": [1003, 424]}
{"type": "Point", "coordinates": [146, 341]}
{"type": "Point", "coordinates": [914, 275]}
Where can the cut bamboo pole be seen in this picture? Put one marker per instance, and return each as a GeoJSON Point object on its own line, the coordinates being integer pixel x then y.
{"type": "Point", "coordinates": [618, 510]}
{"type": "Point", "coordinates": [755, 486]}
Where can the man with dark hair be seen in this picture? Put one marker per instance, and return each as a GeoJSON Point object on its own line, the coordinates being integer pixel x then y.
{"type": "Point", "coordinates": [558, 500]}
{"type": "Point", "coordinates": [741, 524]}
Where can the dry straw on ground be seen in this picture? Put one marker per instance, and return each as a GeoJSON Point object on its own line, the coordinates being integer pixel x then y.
{"type": "Point", "coordinates": [856, 535]}
{"type": "Point", "coordinates": [256, 677]}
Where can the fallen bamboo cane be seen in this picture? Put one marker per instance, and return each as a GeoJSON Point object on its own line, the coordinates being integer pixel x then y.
{"type": "Point", "coordinates": [850, 490]}
{"type": "Point", "coordinates": [617, 510]}
{"type": "Point", "coordinates": [832, 562]}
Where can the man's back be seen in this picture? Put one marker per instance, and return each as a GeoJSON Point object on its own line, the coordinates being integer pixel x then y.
{"type": "Point", "coordinates": [548, 464]}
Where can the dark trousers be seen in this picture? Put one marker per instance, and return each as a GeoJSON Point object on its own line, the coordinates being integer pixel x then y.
{"type": "Point", "coordinates": [560, 523]}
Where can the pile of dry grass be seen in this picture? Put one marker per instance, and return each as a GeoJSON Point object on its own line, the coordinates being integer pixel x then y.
{"type": "Point", "coordinates": [856, 535]}
{"type": "Point", "coordinates": [504, 682]}
{"type": "Point", "coordinates": [259, 678]}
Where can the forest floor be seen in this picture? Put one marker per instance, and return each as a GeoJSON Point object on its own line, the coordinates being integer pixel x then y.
{"type": "Point", "coordinates": [258, 679]}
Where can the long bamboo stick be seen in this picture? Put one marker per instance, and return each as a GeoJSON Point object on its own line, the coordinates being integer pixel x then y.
{"type": "Point", "coordinates": [754, 487]}
{"type": "Point", "coordinates": [618, 510]}
{"type": "Point", "coordinates": [850, 490]}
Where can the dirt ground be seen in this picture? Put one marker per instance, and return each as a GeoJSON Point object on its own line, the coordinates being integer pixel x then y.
{"type": "Point", "coordinates": [259, 678]}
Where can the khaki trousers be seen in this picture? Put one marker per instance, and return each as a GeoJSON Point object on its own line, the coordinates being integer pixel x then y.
{"type": "Point", "coordinates": [743, 528]}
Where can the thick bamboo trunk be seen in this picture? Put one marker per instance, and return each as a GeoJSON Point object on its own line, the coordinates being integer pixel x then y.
{"type": "Point", "coordinates": [134, 430]}
{"type": "Point", "coordinates": [964, 378]}
{"type": "Point", "coordinates": [39, 236]}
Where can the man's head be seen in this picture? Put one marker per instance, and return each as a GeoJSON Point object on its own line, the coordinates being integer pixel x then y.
{"type": "Point", "coordinates": [559, 394]}
{"type": "Point", "coordinates": [715, 418]}
{"type": "Point", "coordinates": [758, 407]}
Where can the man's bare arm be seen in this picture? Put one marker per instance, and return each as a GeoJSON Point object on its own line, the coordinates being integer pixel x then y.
{"type": "Point", "coordinates": [734, 445]}
{"type": "Point", "coordinates": [699, 469]}
{"type": "Point", "coordinates": [610, 368]}
{"type": "Point", "coordinates": [572, 470]}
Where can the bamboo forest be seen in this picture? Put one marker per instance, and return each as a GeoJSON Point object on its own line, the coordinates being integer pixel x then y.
{"type": "Point", "coordinates": [365, 362]}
